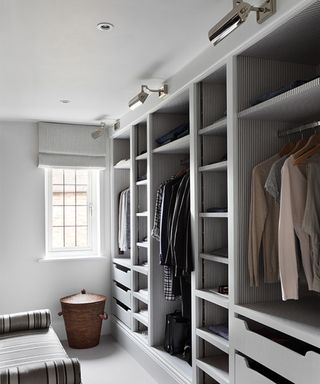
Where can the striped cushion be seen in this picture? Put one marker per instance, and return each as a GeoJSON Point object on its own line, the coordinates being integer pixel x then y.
{"type": "Point", "coordinates": [66, 371]}
{"type": "Point", "coordinates": [25, 321]}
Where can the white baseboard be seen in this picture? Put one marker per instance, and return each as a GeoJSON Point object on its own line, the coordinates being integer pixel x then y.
{"type": "Point", "coordinates": [146, 356]}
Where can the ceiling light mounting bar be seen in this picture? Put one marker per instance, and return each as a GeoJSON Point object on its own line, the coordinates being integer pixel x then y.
{"type": "Point", "coordinates": [161, 91]}
{"type": "Point", "coordinates": [267, 9]}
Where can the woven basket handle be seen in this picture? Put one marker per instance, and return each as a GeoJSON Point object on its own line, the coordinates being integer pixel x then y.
{"type": "Point", "coordinates": [103, 316]}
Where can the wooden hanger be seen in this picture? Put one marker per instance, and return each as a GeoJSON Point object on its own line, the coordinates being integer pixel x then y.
{"type": "Point", "coordinates": [300, 144]}
{"type": "Point", "coordinates": [313, 141]}
{"type": "Point", "coordinates": [286, 149]}
{"type": "Point", "coordinates": [307, 155]}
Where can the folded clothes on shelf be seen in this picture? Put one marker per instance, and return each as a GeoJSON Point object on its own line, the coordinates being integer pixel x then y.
{"type": "Point", "coordinates": [143, 312]}
{"type": "Point", "coordinates": [143, 177]}
{"type": "Point", "coordinates": [217, 209]}
{"type": "Point", "coordinates": [269, 95]}
{"type": "Point", "coordinates": [220, 330]}
{"type": "Point", "coordinates": [174, 134]}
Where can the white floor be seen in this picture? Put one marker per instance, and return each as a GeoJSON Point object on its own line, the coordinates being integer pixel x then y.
{"type": "Point", "coordinates": [109, 363]}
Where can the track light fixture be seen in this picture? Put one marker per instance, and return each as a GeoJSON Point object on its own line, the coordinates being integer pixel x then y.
{"type": "Point", "coordinates": [99, 131]}
{"type": "Point", "coordinates": [142, 96]}
{"type": "Point", "coordinates": [237, 16]}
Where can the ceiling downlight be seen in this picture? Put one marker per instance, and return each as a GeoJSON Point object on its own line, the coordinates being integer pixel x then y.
{"type": "Point", "coordinates": [105, 27]}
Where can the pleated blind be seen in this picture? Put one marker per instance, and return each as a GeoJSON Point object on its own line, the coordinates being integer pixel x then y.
{"type": "Point", "coordinates": [70, 146]}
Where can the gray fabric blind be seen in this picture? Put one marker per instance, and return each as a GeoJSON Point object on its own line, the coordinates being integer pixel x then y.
{"type": "Point", "coordinates": [68, 145]}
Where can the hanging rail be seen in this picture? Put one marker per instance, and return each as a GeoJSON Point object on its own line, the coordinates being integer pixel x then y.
{"type": "Point", "coordinates": [300, 129]}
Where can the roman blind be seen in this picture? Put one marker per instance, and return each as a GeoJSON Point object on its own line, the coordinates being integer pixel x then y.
{"type": "Point", "coordinates": [68, 145]}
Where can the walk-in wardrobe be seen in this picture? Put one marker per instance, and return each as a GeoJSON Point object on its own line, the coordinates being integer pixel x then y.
{"type": "Point", "coordinates": [240, 112]}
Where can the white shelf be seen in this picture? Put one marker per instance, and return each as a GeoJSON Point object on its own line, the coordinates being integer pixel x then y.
{"type": "Point", "coordinates": [218, 128]}
{"type": "Point", "coordinates": [218, 299]}
{"type": "Point", "coordinates": [178, 146]}
{"type": "Point", "coordinates": [141, 297]}
{"type": "Point", "coordinates": [142, 214]}
{"type": "Point", "coordinates": [142, 182]}
{"type": "Point", "coordinates": [299, 319]}
{"type": "Point", "coordinates": [300, 104]}
{"type": "Point", "coordinates": [213, 339]}
{"type": "Point", "coordinates": [216, 259]}
{"type": "Point", "coordinates": [125, 262]}
{"type": "Point", "coordinates": [216, 367]}
{"type": "Point", "coordinates": [124, 165]}
{"type": "Point", "coordinates": [144, 156]}
{"type": "Point", "coordinates": [142, 319]}
{"type": "Point", "coordinates": [143, 244]}
{"type": "Point", "coordinates": [140, 269]}
{"type": "Point", "coordinates": [215, 167]}
{"type": "Point", "coordinates": [214, 215]}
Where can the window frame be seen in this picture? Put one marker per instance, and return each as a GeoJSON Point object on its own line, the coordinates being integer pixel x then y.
{"type": "Point", "coordinates": [93, 211]}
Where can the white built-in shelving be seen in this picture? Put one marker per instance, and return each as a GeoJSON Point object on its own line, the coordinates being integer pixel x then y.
{"type": "Point", "coordinates": [228, 136]}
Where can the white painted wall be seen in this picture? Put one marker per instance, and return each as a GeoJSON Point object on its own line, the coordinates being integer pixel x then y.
{"type": "Point", "coordinates": [25, 283]}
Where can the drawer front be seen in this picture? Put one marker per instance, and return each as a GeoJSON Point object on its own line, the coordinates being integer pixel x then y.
{"type": "Point", "coordinates": [121, 313]}
{"type": "Point", "coordinates": [122, 277]}
{"type": "Point", "coordinates": [245, 374]}
{"type": "Point", "coordinates": [275, 356]}
{"type": "Point", "coordinates": [122, 295]}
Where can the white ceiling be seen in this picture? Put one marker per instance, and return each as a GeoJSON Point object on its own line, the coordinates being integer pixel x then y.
{"type": "Point", "coordinates": [51, 50]}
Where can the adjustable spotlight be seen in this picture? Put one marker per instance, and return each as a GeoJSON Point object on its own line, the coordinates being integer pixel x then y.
{"type": "Point", "coordinates": [98, 132]}
{"type": "Point", "coordinates": [237, 16]}
{"type": "Point", "coordinates": [142, 96]}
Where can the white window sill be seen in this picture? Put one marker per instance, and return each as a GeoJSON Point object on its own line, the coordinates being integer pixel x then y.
{"type": "Point", "coordinates": [71, 258]}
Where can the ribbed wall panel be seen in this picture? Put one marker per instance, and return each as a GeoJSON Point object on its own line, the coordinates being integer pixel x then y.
{"type": "Point", "coordinates": [214, 102]}
{"type": "Point", "coordinates": [121, 150]}
{"type": "Point", "coordinates": [257, 142]}
{"type": "Point", "coordinates": [213, 149]}
{"type": "Point", "coordinates": [257, 76]}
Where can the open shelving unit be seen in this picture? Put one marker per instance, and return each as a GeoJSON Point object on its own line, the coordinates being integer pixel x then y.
{"type": "Point", "coordinates": [228, 137]}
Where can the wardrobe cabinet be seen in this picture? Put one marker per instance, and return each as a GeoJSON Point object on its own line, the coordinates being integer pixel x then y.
{"type": "Point", "coordinates": [235, 121]}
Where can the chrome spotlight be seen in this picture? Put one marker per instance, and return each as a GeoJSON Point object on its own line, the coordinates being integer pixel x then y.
{"type": "Point", "coordinates": [142, 96]}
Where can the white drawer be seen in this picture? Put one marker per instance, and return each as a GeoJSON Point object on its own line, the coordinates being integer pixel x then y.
{"type": "Point", "coordinates": [121, 313]}
{"type": "Point", "coordinates": [245, 374]}
{"type": "Point", "coordinates": [300, 369]}
{"type": "Point", "coordinates": [121, 276]}
{"type": "Point", "coordinates": [122, 295]}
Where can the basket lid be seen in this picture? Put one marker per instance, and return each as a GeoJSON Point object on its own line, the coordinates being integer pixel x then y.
{"type": "Point", "coordinates": [83, 298]}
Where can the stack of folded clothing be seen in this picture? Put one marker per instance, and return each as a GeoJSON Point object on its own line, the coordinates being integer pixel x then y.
{"type": "Point", "coordinates": [174, 134]}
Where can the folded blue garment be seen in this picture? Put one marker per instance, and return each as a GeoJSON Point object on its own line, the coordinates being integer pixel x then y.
{"type": "Point", "coordinates": [220, 330]}
{"type": "Point", "coordinates": [180, 131]}
{"type": "Point", "coordinates": [269, 95]}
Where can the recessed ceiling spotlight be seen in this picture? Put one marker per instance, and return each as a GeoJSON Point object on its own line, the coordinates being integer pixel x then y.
{"type": "Point", "coordinates": [105, 26]}
{"type": "Point", "coordinates": [65, 101]}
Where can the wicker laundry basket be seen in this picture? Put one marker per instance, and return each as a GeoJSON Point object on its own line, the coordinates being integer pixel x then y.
{"type": "Point", "coordinates": [83, 315]}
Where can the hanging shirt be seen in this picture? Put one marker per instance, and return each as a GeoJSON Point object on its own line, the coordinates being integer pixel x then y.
{"type": "Point", "coordinates": [124, 221]}
{"type": "Point", "coordinates": [311, 220]}
{"type": "Point", "coordinates": [292, 207]}
{"type": "Point", "coordinates": [263, 226]}
{"type": "Point", "coordinates": [273, 182]}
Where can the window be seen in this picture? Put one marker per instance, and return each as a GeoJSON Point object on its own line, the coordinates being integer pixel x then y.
{"type": "Point", "coordinates": [72, 212]}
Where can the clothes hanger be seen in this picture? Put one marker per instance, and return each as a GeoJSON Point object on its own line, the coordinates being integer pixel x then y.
{"type": "Point", "coordinates": [286, 148]}
{"type": "Point", "coordinates": [300, 144]}
{"type": "Point", "coordinates": [307, 155]}
{"type": "Point", "coordinates": [313, 141]}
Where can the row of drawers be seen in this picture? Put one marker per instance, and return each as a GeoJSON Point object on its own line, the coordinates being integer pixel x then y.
{"type": "Point", "coordinates": [295, 367]}
{"type": "Point", "coordinates": [121, 292]}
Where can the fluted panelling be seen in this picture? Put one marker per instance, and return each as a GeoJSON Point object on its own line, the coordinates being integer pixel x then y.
{"type": "Point", "coordinates": [214, 102]}
{"type": "Point", "coordinates": [121, 150]}
{"type": "Point", "coordinates": [214, 148]}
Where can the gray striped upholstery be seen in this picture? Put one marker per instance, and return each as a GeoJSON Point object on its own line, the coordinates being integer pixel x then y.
{"type": "Point", "coordinates": [34, 356]}
{"type": "Point", "coordinates": [65, 371]}
{"type": "Point", "coordinates": [24, 321]}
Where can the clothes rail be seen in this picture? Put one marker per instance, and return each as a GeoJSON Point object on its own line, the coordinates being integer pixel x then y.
{"type": "Point", "coordinates": [300, 129]}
